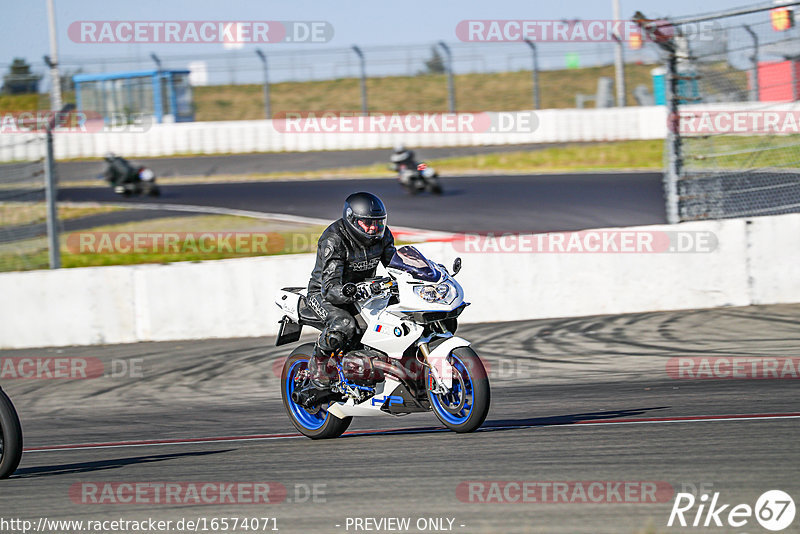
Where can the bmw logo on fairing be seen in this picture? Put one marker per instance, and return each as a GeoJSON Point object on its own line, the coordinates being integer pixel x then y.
{"type": "Point", "coordinates": [397, 331]}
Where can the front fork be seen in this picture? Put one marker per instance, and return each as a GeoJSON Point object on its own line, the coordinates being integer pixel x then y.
{"type": "Point", "coordinates": [441, 371]}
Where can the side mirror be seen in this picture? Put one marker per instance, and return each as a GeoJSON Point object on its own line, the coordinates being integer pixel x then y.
{"type": "Point", "coordinates": [456, 266]}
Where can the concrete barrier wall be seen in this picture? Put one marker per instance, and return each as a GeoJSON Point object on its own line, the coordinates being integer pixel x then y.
{"type": "Point", "coordinates": [221, 137]}
{"type": "Point", "coordinates": [553, 125]}
{"type": "Point", "coordinates": [773, 257]}
{"type": "Point", "coordinates": [755, 262]}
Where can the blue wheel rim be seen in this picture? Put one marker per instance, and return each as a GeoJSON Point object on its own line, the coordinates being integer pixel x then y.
{"type": "Point", "coordinates": [453, 397]}
{"type": "Point", "coordinates": [311, 421]}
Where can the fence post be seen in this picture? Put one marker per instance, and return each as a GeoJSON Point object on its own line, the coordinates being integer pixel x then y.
{"type": "Point", "coordinates": [52, 60]}
{"type": "Point", "coordinates": [754, 76]}
{"type": "Point", "coordinates": [674, 153]}
{"type": "Point", "coordinates": [673, 149]}
{"type": "Point", "coordinates": [535, 75]}
{"type": "Point", "coordinates": [619, 60]}
{"type": "Point", "coordinates": [50, 197]}
{"type": "Point", "coordinates": [267, 105]}
{"type": "Point", "coordinates": [360, 54]}
{"type": "Point", "coordinates": [451, 91]}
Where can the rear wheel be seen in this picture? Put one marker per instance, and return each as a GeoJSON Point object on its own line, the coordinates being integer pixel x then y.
{"type": "Point", "coordinates": [463, 408]}
{"type": "Point", "coordinates": [435, 188]}
{"type": "Point", "coordinates": [316, 423]}
{"type": "Point", "coordinates": [10, 437]}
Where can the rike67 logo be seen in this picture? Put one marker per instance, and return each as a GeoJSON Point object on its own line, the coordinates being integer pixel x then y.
{"type": "Point", "coordinates": [774, 510]}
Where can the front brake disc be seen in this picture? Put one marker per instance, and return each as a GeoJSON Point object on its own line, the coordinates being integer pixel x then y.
{"type": "Point", "coordinates": [448, 406]}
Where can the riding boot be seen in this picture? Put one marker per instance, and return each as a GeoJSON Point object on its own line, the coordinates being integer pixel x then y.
{"type": "Point", "coordinates": [318, 366]}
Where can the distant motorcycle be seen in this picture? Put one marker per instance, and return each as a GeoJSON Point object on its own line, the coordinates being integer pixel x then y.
{"type": "Point", "coordinates": [10, 437]}
{"type": "Point", "coordinates": [144, 183]}
{"type": "Point", "coordinates": [421, 178]}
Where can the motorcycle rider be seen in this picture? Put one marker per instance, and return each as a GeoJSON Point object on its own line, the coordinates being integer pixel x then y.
{"type": "Point", "coordinates": [402, 156]}
{"type": "Point", "coordinates": [349, 250]}
{"type": "Point", "coordinates": [119, 171]}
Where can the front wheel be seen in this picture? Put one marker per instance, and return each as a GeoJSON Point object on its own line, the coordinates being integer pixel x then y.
{"type": "Point", "coordinates": [464, 408]}
{"type": "Point", "coordinates": [10, 437]}
{"type": "Point", "coordinates": [316, 423]}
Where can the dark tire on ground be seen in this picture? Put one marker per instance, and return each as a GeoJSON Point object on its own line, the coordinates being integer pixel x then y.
{"type": "Point", "coordinates": [436, 189]}
{"type": "Point", "coordinates": [480, 394]}
{"type": "Point", "coordinates": [11, 435]}
{"type": "Point", "coordinates": [332, 427]}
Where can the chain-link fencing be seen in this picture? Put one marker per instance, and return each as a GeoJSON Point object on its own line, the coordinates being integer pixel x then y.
{"type": "Point", "coordinates": [24, 241]}
{"type": "Point", "coordinates": [732, 83]}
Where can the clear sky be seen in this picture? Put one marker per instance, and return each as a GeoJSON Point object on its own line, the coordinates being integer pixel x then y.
{"type": "Point", "coordinates": [366, 22]}
{"type": "Point", "coordinates": [390, 26]}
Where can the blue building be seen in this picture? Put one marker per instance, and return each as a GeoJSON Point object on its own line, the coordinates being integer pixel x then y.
{"type": "Point", "coordinates": [164, 95]}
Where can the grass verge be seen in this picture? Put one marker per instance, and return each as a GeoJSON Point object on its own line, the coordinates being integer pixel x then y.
{"type": "Point", "coordinates": [496, 91]}
{"type": "Point", "coordinates": [166, 240]}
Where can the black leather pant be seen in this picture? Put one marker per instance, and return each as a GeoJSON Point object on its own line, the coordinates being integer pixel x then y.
{"type": "Point", "coordinates": [339, 331]}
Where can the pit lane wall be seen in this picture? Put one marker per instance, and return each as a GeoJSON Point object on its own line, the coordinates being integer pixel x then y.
{"type": "Point", "coordinates": [755, 262]}
{"type": "Point", "coordinates": [230, 137]}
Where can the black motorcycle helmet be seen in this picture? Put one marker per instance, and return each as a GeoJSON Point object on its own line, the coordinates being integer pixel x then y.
{"type": "Point", "coordinates": [364, 216]}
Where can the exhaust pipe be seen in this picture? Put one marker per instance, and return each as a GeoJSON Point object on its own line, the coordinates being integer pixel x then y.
{"type": "Point", "coordinates": [390, 368]}
{"type": "Point", "coordinates": [310, 398]}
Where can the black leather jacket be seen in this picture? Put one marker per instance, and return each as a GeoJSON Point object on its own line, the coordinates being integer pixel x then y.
{"type": "Point", "coordinates": [119, 170]}
{"type": "Point", "coordinates": [406, 158]}
{"type": "Point", "coordinates": [342, 259]}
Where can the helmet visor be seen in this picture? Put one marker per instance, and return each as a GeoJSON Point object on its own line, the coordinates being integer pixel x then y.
{"type": "Point", "coordinates": [371, 226]}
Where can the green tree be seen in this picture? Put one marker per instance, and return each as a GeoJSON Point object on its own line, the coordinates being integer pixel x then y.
{"type": "Point", "coordinates": [20, 79]}
{"type": "Point", "coordinates": [435, 64]}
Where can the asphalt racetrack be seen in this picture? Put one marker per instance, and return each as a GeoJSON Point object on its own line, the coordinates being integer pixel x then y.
{"type": "Point", "coordinates": [575, 400]}
{"type": "Point", "coordinates": [276, 161]}
{"type": "Point", "coordinates": [513, 203]}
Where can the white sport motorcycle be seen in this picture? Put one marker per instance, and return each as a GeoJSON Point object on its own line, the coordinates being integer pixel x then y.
{"type": "Point", "coordinates": [423, 178]}
{"type": "Point", "coordinates": [405, 359]}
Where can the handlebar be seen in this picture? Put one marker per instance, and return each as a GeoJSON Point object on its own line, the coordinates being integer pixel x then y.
{"type": "Point", "coordinates": [349, 290]}
{"type": "Point", "coordinates": [375, 286]}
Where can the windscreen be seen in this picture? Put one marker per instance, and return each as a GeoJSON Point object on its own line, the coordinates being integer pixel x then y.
{"type": "Point", "coordinates": [411, 260]}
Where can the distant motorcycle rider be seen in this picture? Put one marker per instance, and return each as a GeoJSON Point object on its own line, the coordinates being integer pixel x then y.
{"type": "Point", "coordinates": [349, 250]}
{"type": "Point", "coordinates": [119, 170]}
{"type": "Point", "coordinates": [403, 157]}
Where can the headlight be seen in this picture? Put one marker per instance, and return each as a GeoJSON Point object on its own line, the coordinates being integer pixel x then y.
{"type": "Point", "coordinates": [442, 293]}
